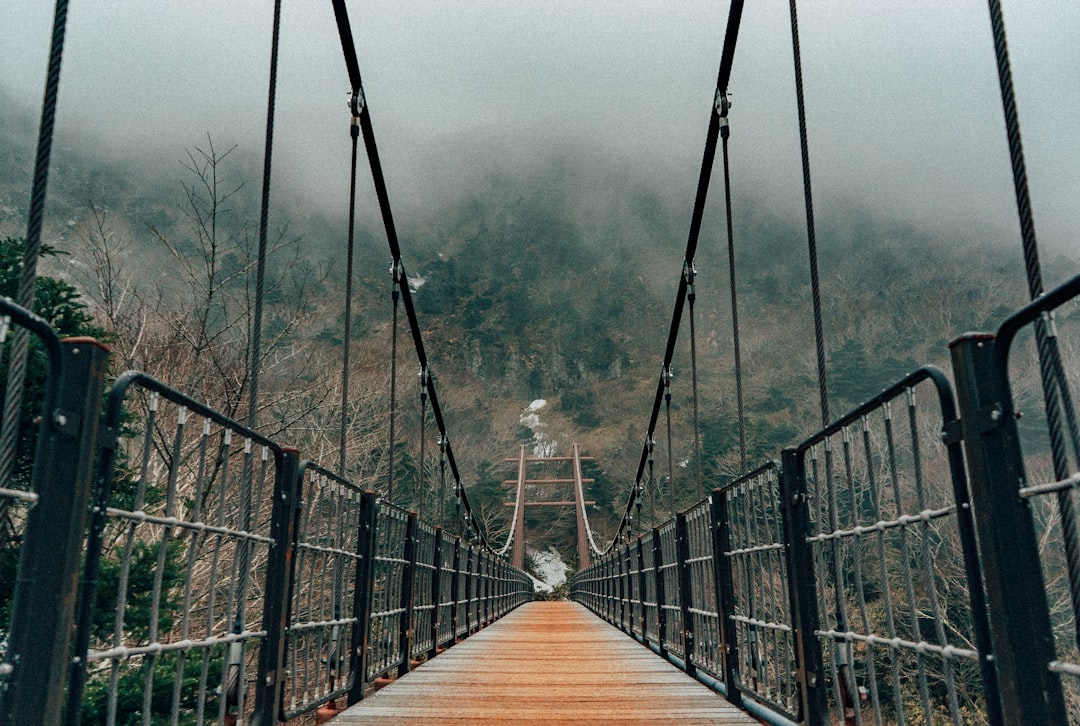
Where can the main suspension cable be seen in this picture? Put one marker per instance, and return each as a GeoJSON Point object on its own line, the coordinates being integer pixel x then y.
{"type": "Point", "coordinates": [727, 57]}
{"type": "Point", "coordinates": [352, 66]}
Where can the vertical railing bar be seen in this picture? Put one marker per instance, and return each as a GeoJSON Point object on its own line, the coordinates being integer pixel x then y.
{"type": "Point", "coordinates": [860, 586]}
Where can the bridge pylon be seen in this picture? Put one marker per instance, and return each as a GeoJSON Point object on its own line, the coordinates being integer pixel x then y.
{"type": "Point", "coordinates": [578, 502]}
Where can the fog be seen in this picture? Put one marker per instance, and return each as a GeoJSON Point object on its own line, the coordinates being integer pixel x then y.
{"type": "Point", "coordinates": [902, 100]}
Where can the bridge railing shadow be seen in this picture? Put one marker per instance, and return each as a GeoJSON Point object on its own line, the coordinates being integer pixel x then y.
{"type": "Point", "coordinates": [909, 561]}
{"type": "Point", "coordinates": [168, 561]}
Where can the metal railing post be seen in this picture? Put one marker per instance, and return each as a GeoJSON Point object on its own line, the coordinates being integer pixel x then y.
{"type": "Point", "coordinates": [469, 590]}
{"type": "Point", "coordinates": [436, 593]}
{"type": "Point", "coordinates": [455, 610]}
{"type": "Point", "coordinates": [724, 583]}
{"type": "Point", "coordinates": [802, 589]}
{"type": "Point", "coordinates": [658, 579]}
{"type": "Point", "coordinates": [642, 596]}
{"type": "Point", "coordinates": [39, 642]}
{"type": "Point", "coordinates": [277, 602]}
{"type": "Point", "coordinates": [682, 547]}
{"type": "Point", "coordinates": [1021, 631]}
{"type": "Point", "coordinates": [405, 634]}
{"type": "Point", "coordinates": [362, 595]}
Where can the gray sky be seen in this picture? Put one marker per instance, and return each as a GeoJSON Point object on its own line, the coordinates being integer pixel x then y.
{"type": "Point", "coordinates": [902, 98]}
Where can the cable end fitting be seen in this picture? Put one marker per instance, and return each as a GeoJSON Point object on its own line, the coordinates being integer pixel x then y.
{"type": "Point", "coordinates": [722, 103]}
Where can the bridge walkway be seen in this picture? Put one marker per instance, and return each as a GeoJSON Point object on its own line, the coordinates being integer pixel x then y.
{"type": "Point", "coordinates": [545, 662]}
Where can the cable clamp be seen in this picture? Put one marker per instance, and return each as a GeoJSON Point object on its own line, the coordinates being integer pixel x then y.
{"type": "Point", "coordinates": [722, 104]}
{"type": "Point", "coordinates": [357, 103]}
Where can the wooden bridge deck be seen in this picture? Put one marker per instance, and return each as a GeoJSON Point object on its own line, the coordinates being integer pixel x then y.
{"type": "Point", "coordinates": [545, 662]}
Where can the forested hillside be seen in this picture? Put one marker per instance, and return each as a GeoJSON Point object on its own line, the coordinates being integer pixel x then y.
{"type": "Point", "coordinates": [526, 288]}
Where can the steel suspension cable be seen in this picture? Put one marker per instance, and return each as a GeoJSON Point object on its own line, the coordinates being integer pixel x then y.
{"type": "Point", "coordinates": [811, 235]}
{"type": "Point", "coordinates": [352, 65]}
{"type": "Point", "coordinates": [442, 482]}
{"type": "Point", "coordinates": [847, 679]}
{"type": "Point", "coordinates": [394, 295]}
{"type": "Point", "coordinates": [264, 217]}
{"type": "Point", "coordinates": [670, 467]}
{"type": "Point", "coordinates": [727, 57]}
{"type": "Point", "coordinates": [423, 436]}
{"type": "Point", "coordinates": [690, 298]}
{"type": "Point", "coordinates": [1057, 397]}
{"type": "Point", "coordinates": [354, 132]}
{"type": "Point", "coordinates": [9, 429]}
{"type": "Point", "coordinates": [725, 132]}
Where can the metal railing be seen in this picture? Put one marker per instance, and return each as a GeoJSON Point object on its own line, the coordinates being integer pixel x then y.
{"type": "Point", "coordinates": [1024, 475]}
{"type": "Point", "coordinates": [44, 513]}
{"type": "Point", "coordinates": [839, 585]}
{"type": "Point", "coordinates": [217, 579]}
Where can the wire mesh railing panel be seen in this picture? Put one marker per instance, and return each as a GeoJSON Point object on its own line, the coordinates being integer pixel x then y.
{"type": "Point", "coordinates": [387, 610]}
{"type": "Point", "coordinates": [472, 588]}
{"type": "Point", "coordinates": [648, 561]}
{"type": "Point", "coordinates": [668, 571]}
{"type": "Point", "coordinates": [761, 617]}
{"type": "Point", "coordinates": [423, 612]}
{"type": "Point", "coordinates": [462, 590]}
{"type": "Point", "coordinates": [447, 580]}
{"type": "Point", "coordinates": [703, 609]}
{"type": "Point", "coordinates": [322, 618]}
{"type": "Point", "coordinates": [1041, 357]}
{"type": "Point", "coordinates": [179, 555]}
{"type": "Point", "coordinates": [633, 566]}
{"type": "Point", "coordinates": [896, 620]}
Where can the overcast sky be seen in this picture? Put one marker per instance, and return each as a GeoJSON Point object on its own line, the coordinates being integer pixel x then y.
{"type": "Point", "coordinates": [902, 98]}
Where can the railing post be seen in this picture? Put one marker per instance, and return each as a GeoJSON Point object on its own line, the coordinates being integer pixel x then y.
{"type": "Point", "coordinates": [627, 590]}
{"type": "Point", "coordinates": [1020, 622]}
{"type": "Point", "coordinates": [682, 548]}
{"type": "Point", "coordinates": [455, 615]}
{"type": "Point", "coordinates": [42, 614]}
{"type": "Point", "coordinates": [405, 634]}
{"type": "Point", "coordinates": [280, 571]}
{"type": "Point", "coordinates": [642, 591]}
{"type": "Point", "coordinates": [724, 583]}
{"type": "Point", "coordinates": [799, 558]}
{"type": "Point", "coordinates": [658, 579]}
{"type": "Point", "coordinates": [436, 593]}
{"type": "Point", "coordinates": [362, 595]}
{"type": "Point", "coordinates": [469, 589]}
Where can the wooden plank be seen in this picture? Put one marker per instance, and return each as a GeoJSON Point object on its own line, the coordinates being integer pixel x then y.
{"type": "Point", "coordinates": [545, 662]}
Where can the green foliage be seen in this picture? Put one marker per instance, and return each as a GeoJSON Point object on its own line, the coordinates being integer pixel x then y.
{"type": "Point", "coordinates": [132, 678]}
{"type": "Point", "coordinates": [857, 377]}
{"type": "Point", "coordinates": [61, 305]}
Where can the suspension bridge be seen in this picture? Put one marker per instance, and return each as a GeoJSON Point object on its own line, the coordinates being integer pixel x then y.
{"type": "Point", "coordinates": [907, 563]}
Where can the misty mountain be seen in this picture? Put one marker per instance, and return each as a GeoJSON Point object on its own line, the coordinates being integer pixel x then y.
{"type": "Point", "coordinates": [555, 280]}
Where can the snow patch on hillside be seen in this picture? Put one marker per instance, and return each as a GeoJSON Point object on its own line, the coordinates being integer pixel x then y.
{"type": "Point", "coordinates": [550, 569]}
